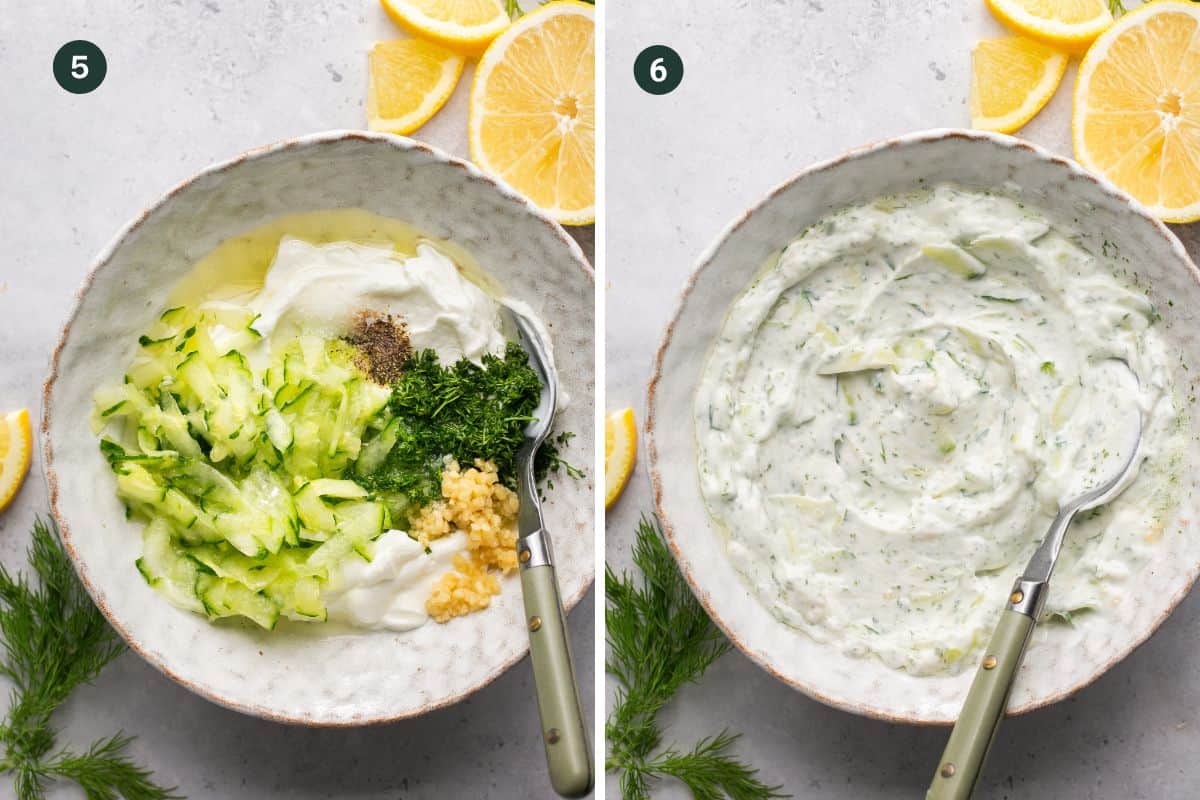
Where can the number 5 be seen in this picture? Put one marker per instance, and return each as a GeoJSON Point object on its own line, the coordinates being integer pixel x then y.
{"type": "Point", "coordinates": [658, 72]}
{"type": "Point", "coordinates": [79, 67]}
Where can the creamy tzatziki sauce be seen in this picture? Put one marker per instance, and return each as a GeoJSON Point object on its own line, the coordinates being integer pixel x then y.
{"type": "Point", "coordinates": [895, 407]}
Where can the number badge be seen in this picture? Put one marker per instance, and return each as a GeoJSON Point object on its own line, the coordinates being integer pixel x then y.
{"type": "Point", "coordinates": [658, 69]}
{"type": "Point", "coordinates": [80, 67]}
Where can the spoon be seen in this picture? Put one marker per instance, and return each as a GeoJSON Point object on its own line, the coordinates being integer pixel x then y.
{"type": "Point", "coordinates": [568, 752]}
{"type": "Point", "coordinates": [973, 733]}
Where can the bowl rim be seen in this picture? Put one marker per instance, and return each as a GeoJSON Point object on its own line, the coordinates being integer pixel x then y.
{"type": "Point", "coordinates": [704, 261]}
{"type": "Point", "coordinates": [100, 261]}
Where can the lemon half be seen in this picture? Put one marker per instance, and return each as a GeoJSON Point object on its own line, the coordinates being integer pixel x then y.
{"type": "Point", "coordinates": [463, 25]}
{"type": "Point", "coordinates": [1069, 25]}
{"type": "Point", "coordinates": [1137, 108]}
{"type": "Point", "coordinates": [532, 116]}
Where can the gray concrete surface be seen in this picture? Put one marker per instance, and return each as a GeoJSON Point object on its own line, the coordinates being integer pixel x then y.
{"type": "Point", "coordinates": [768, 88]}
{"type": "Point", "coordinates": [191, 82]}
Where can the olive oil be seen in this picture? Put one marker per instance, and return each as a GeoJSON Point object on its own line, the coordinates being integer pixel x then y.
{"type": "Point", "coordinates": [238, 266]}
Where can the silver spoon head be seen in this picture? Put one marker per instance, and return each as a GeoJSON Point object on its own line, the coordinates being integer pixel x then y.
{"type": "Point", "coordinates": [538, 350]}
{"type": "Point", "coordinates": [1111, 454]}
{"type": "Point", "coordinates": [1113, 481]}
{"type": "Point", "coordinates": [1107, 491]}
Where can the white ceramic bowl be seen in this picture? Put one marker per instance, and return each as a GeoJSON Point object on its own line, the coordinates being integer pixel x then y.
{"type": "Point", "coordinates": [1059, 662]}
{"type": "Point", "coordinates": [301, 674]}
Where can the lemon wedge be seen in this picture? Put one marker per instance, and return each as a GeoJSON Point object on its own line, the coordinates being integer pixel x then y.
{"type": "Point", "coordinates": [409, 81]}
{"type": "Point", "coordinates": [620, 452]}
{"type": "Point", "coordinates": [532, 118]}
{"type": "Point", "coordinates": [1069, 25]}
{"type": "Point", "coordinates": [463, 25]}
{"type": "Point", "coordinates": [16, 447]}
{"type": "Point", "coordinates": [1012, 80]}
{"type": "Point", "coordinates": [1137, 108]}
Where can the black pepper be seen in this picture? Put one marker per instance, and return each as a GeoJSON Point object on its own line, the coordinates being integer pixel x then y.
{"type": "Point", "coordinates": [383, 346]}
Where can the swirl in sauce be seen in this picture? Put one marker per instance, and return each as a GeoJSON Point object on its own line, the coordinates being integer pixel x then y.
{"type": "Point", "coordinates": [894, 409]}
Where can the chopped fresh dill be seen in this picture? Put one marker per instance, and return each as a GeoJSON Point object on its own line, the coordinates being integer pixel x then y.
{"type": "Point", "coordinates": [466, 411]}
{"type": "Point", "coordinates": [551, 461]}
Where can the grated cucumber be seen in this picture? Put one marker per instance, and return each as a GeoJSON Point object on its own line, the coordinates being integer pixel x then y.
{"type": "Point", "coordinates": [241, 474]}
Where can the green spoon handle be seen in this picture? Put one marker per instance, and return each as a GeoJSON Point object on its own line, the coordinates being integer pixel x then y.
{"type": "Point", "coordinates": [568, 753]}
{"type": "Point", "coordinates": [979, 720]}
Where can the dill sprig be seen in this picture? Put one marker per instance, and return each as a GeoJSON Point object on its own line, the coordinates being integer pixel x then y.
{"type": "Point", "coordinates": [54, 639]}
{"type": "Point", "coordinates": [1117, 7]}
{"type": "Point", "coordinates": [660, 638]}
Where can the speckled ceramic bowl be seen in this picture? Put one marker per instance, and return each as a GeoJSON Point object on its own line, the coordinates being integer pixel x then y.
{"type": "Point", "coordinates": [1059, 662]}
{"type": "Point", "coordinates": [302, 674]}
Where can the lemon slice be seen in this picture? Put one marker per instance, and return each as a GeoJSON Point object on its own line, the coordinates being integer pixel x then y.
{"type": "Point", "coordinates": [533, 110]}
{"type": "Point", "coordinates": [16, 446]}
{"type": "Point", "coordinates": [1137, 108]}
{"type": "Point", "coordinates": [620, 452]}
{"type": "Point", "coordinates": [463, 25]}
{"type": "Point", "coordinates": [409, 81]}
{"type": "Point", "coordinates": [1069, 25]}
{"type": "Point", "coordinates": [1013, 79]}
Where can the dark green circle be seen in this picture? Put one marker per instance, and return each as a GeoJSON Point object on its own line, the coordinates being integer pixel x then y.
{"type": "Point", "coordinates": [658, 69]}
{"type": "Point", "coordinates": [80, 66]}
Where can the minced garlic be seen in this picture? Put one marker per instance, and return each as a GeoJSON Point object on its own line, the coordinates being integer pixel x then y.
{"type": "Point", "coordinates": [473, 501]}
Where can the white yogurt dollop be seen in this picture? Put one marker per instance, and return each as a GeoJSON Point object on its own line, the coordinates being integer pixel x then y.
{"type": "Point", "coordinates": [321, 288]}
{"type": "Point", "coordinates": [891, 414]}
{"type": "Point", "coordinates": [389, 592]}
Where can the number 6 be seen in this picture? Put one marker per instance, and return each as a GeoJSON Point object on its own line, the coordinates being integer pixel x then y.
{"type": "Point", "coordinates": [79, 67]}
{"type": "Point", "coordinates": [658, 72]}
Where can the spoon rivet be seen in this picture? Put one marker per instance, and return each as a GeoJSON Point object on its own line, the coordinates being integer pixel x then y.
{"type": "Point", "coordinates": [990, 662]}
{"type": "Point", "coordinates": [535, 623]}
{"type": "Point", "coordinates": [948, 770]}
{"type": "Point", "coordinates": [553, 735]}
{"type": "Point", "coordinates": [1016, 597]}
{"type": "Point", "coordinates": [525, 555]}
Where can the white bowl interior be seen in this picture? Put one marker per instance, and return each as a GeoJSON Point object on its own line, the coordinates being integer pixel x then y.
{"type": "Point", "coordinates": [301, 673]}
{"type": "Point", "coordinates": [1057, 664]}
